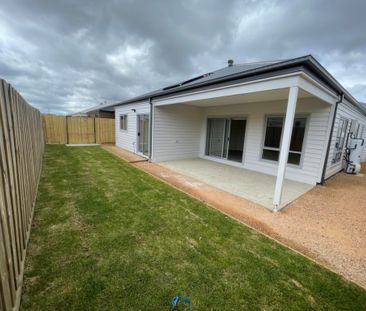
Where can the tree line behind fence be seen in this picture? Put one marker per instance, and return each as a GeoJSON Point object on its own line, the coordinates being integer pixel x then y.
{"type": "Point", "coordinates": [78, 130]}
{"type": "Point", "coordinates": [21, 152]}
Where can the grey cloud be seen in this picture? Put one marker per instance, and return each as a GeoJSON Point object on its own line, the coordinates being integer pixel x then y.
{"type": "Point", "coordinates": [66, 55]}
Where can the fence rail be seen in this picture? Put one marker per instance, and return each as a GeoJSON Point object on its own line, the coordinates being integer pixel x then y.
{"type": "Point", "coordinates": [78, 130]}
{"type": "Point", "coordinates": [21, 152]}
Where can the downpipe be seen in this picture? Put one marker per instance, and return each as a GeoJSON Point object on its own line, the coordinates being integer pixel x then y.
{"type": "Point", "coordinates": [341, 97]}
{"type": "Point", "coordinates": [150, 128]}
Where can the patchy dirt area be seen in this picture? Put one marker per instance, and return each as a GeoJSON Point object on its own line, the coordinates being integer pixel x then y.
{"type": "Point", "coordinates": [327, 224]}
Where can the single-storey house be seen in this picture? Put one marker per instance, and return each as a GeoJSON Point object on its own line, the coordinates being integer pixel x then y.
{"type": "Point", "coordinates": [290, 119]}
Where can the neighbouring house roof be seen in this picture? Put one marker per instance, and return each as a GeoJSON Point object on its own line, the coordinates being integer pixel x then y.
{"type": "Point", "coordinates": [100, 107]}
{"type": "Point", "coordinates": [249, 72]}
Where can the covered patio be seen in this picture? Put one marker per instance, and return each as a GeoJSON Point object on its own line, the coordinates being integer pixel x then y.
{"type": "Point", "coordinates": [253, 186]}
{"type": "Point", "coordinates": [266, 139]}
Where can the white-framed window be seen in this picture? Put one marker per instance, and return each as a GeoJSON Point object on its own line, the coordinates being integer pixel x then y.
{"type": "Point", "coordinates": [273, 138]}
{"type": "Point", "coordinates": [340, 140]}
{"type": "Point", "coordinates": [123, 122]}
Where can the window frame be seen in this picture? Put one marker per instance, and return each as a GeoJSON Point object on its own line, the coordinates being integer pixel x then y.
{"type": "Point", "coordinates": [125, 123]}
{"type": "Point", "coordinates": [283, 116]}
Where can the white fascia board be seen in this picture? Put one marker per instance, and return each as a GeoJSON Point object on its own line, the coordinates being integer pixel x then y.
{"type": "Point", "coordinates": [313, 87]}
{"type": "Point", "coordinates": [132, 104]}
{"type": "Point", "coordinates": [230, 90]}
{"type": "Point", "coordinates": [144, 101]}
{"type": "Point", "coordinates": [300, 79]}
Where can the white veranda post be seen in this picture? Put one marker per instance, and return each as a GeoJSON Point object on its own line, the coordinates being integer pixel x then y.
{"type": "Point", "coordinates": [285, 145]}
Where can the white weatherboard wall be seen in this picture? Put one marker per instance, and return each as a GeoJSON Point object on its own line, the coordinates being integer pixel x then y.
{"type": "Point", "coordinates": [363, 156]}
{"type": "Point", "coordinates": [127, 139]}
{"type": "Point", "coordinates": [349, 112]}
{"type": "Point", "coordinates": [318, 114]}
{"type": "Point", "coordinates": [176, 132]}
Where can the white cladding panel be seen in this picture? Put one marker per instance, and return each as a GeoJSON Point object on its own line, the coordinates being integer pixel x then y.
{"type": "Point", "coordinates": [127, 139]}
{"type": "Point", "coordinates": [348, 112]}
{"type": "Point", "coordinates": [176, 132]}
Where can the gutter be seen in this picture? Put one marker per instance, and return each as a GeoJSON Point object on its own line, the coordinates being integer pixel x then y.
{"type": "Point", "coordinates": [341, 97]}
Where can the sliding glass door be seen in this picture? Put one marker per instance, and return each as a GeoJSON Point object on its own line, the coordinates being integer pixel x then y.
{"type": "Point", "coordinates": [225, 138]}
{"type": "Point", "coordinates": [216, 137]}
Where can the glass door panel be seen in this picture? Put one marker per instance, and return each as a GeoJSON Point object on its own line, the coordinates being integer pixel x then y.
{"type": "Point", "coordinates": [215, 137]}
{"type": "Point", "coordinates": [225, 138]}
{"type": "Point", "coordinates": [143, 133]}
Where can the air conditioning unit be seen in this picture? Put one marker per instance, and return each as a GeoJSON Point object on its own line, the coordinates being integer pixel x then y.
{"type": "Point", "coordinates": [353, 155]}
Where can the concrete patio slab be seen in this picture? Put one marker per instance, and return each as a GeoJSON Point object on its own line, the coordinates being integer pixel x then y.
{"type": "Point", "coordinates": [253, 186]}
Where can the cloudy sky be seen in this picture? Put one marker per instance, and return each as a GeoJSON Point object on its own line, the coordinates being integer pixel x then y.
{"type": "Point", "coordinates": [66, 55]}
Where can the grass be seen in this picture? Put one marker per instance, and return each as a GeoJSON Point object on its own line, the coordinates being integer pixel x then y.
{"type": "Point", "coordinates": [107, 236]}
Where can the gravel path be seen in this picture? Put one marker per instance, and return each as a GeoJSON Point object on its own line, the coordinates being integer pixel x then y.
{"type": "Point", "coordinates": [327, 224]}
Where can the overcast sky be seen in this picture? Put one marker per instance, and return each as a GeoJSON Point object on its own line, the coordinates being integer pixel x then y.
{"type": "Point", "coordinates": [67, 55]}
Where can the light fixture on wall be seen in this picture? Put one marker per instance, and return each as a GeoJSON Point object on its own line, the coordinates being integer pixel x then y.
{"type": "Point", "coordinates": [133, 110]}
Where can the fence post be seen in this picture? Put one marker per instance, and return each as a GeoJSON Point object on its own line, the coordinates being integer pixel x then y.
{"type": "Point", "coordinates": [95, 135]}
{"type": "Point", "coordinates": [67, 131]}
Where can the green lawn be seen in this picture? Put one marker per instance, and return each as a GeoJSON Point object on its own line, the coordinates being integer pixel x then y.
{"type": "Point", "coordinates": [107, 236]}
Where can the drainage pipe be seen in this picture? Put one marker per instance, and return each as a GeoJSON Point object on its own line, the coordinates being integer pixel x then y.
{"type": "Point", "coordinates": [341, 97]}
{"type": "Point", "coordinates": [150, 128]}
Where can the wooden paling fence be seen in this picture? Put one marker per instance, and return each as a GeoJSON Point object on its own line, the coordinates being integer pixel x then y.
{"type": "Point", "coordinates": [78, 130]}
{"type": "Point", "coordinates": [21, 152]}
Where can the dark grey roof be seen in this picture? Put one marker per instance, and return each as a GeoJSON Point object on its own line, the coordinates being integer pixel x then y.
{"type": "Point", "coordinates": [206, 77]}
{"type": "Point", "coordinates": [225, 72]}
{"type": "Point", "coordinates": [252, 71]}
